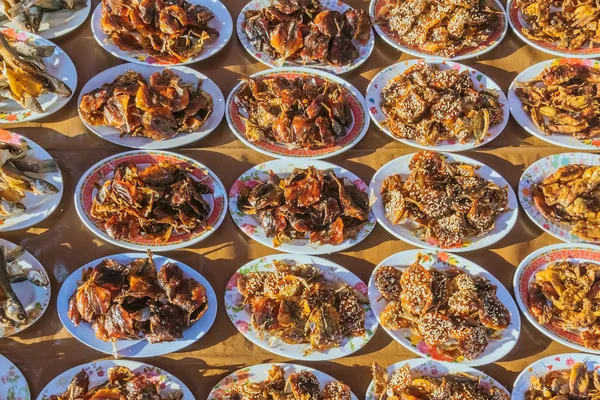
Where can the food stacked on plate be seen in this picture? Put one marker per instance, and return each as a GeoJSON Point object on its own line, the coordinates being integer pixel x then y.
{"type": "Point", "coordinates": [158, 108]}
{"type": "Point", "coordinates": [24, 76]}
{"type": "Point", "coordinates": [302, 112]}
{"type": "Point", "coordinates": [576, 383]}
{"type": "Point", "coordinates": [448, 201]}
{"type": "Point", "coordinates": [135, 301]}
{"type": "Point", "coordinates": [299, 305]}
{"type": "Point", "coordinates": [441, 28]}
{"type": "Point", "coordinates": [309, 202]}
{"type": "Point", "coordinates": [171, 31]}
{"type": "Point", "coordinates": [450, 310]}
{"type": "Point", "coordinates": [430, 106]}
{"type": "Point", "coordinates": [305, 31]}
{"type": "Point", "coordinates": [569, 196]}
{"type": "Point", "coordinates": [564, 99]}
{"type": "Point", "coordinates": [28, 14]}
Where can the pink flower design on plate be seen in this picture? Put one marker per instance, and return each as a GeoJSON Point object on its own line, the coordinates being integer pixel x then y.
{"type": "Point", "coordinates": [361, 287]}
{"type": "Point", "coordinates": [360, 185]}
{"type": "Point", "coordinates": [242, 326]}
{"type": "Point", "coordinates": [251, 183]}
{"type": "Point", "coordinates": [3, 379]}
{"type": "Point", "coordinates": [569, 362]}
{"type": "Point", "coordinates": [218, 393]}
{"type": "Point", "coordinates": [233, 281]}
{"type": "Point", "coordinates": [237, 187]}
{"type": "Point", "coordinates": [373, 110]}
{"type": "Point", "coordinates": [443, 256]}
{"type": "Point", "coordinates": [248, 229]}
{"type": "Point", "coordinates": [100, 373]}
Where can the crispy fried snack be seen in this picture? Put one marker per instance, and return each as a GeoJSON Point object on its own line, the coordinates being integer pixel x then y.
{"type": "Point", "coordinates": [565, 294]}
{"type": "Point", "coordinates": [576, 383]}
{"type": "Point", "coordinates": [431, 106]}
{"type": "Point", "coordinates": [309, 201]}
{"type": "Point", "coordinates": [570, 196]}
{"type": "Point", "coordinates": [401, 385]}
{"type": "Point", "coordinates": [302, 30]}
{"type": "Point", "coordinates": [449, 201]}
{"type": "Point", "coordinates": [441, 28]}
{"type": "Point", "coordinates": [159, 108]}
{"type": "Point", "coordinates": [298, 305]}
{"type": "Point", "coordinates": [170, 31]}
{"type": "Point", "coordinates": [574, 26]}
{"type": "Point", "coordinates": [303, 112]}
{"type": "Point", "coordinates": [450, 310]}
{"type": "Point", "coordinates": [564, 99]}
{"type": "Point", "coordinates": [154, 202]}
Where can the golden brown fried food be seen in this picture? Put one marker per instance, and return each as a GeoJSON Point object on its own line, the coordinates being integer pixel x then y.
{"type": "Point", "coordinates": [576, 383]}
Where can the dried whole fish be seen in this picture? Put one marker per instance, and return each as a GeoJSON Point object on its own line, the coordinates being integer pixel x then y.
{"type": "Point", "coordinates": [158, 108]}
{"type": "Point", "coordinates": [28, 14]}
{"type": "Point", "coordinates": [576, 383]}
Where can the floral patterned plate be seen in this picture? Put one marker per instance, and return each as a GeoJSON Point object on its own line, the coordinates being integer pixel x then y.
{"type": "Point", "coordinates": [38, 207]}
{"type": "Point", "coordinates": [524, 119]}
{"type": "Point", "coordinates": [420, 367]}
{"type": "Point", "coordinates": [394, 40]}
{"type": "Point", "coordinates": [251, 226]}
{"type": "Point", "coordinates": [405, 231]}
{"type": "Point", "coordinates": [496, 348]}
{"type": "Point", "coordinates": [358, 129]}
{"type": "Point", "coordinates": [539, 260]}
{"type": "Point", "coordinates": [364, 50]}
{"type": "Point", "coordinates": [86, 191]}
{"type": "Point", "coordinates": [140, 347]}
{"type": "Point", "coordinates": [98, 371]}
{"type": "Point", "coordinates": [59, 65]}
{"type": "Point", "coordinates": [535, 174]}
{"type": "Point", "coordinates": [480, 82]}
{"type": "Point", "coordinates": [221, 22]}
{"type": "Point", "coordinates": [547, 364]}
{"type": "Point", "coordinates": [241, 318]}
{"type": "Point", "coordinates": [35, 299]}
{"type": "Point", "coordinates": [13, 385]}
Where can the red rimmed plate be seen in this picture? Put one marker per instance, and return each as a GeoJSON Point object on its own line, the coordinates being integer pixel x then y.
{"type": "Point", "coordinates": [358, 129]}
{"type": "Point", "coordinates": [86, 190]}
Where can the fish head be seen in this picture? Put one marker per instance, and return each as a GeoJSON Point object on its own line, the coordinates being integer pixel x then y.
{"type": "Point", "coordinates": [14, 312]}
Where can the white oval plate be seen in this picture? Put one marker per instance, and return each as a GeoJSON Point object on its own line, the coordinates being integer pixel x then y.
{"type": "Point", "coordinates": [140, 347]}
{"type": "Point", "coordinates": [536, 173]}
{"type": "Point", "coordinates": [356, 131]}
{"type": "Point", "coordinates": [251, 225]}
{"type": "Point", "coordinates": [241, 318]}
{"type": "Point", "coordinates": [480, 82]}
{"type": "Point", "coordinates": [187, 75]}
{"type": "Point", "coordinates": [38, 207]}
{"type": "Point", "coordinates": [539, 260]}
{"type": "Point", "coordinates": [59, 65]}
{"type": "Point", "coordinates": [98, 373]}
{"type": "Point", "coordinates": [221, 22]}
{"type": "Point", "coordinates": [404, 231]}
{"type": "Point", "coordinates": [483, 48]}
{"type": "Point", "coordinates": [523, 119]}
{"type": "Point", "coordinates": [496, 349]}
{"type": "Point", "coordinates": [35, 299]}
{"type": "Point", "coordinates": [364, 50]}
{"type": "Point", "coordinates": [58, 23]}
{"type": "Point", "coordinates": [86, 191]}
{"type": "Point", "coordinates": [15, 385]}
{"type": "Point", "coordinates": [420, 367]}
{"type": "Point", "coordinates": [258, 373]}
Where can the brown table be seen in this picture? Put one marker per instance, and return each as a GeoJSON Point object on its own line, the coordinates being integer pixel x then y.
{"type": "Point", "coordinates": [63, 244]}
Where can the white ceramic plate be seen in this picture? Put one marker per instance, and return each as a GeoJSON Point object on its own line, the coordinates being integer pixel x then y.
{"type": "Point", "coordinates": [420, 367]}
{"type": "Point", "coordinates": [140, 347]}
{"type": "Point", "coordinates": [15, 386]}
{"type": "Point", "coordinates": [241, 318]}
{"type": "Point", "coordinates": [58, 23]}
{"type": "Point", "coordinates": [536, 173]}
{"type": "Point", "coordinates": [251, 226]}
{"type": "Point", "coordinates": [524, 119]}
{"type": "Point", "coordinates": [539, 260]}
{"type": "Point", "coordinates": [86, 191]}
{"type": "Point", "coordinates": [59, 65]}
{"type": "Point", "coordinates": [393, 40]}
{"type": "Point", "coordinates": [405, 231]}
{"type": "Point", "coordinates": [364, 50]}
{"type": "Point", "coordinates": [496, 348]}
{"type": "Point", "coordinates": [187, 75]}
{"type": "Point", "coordinates": [259, 373]}
{"type": "Point", "coordinates": [38, 207]}
{"type": "Point", "coordinates": [221, 22]}
{"type": "Point", "coordinates": [356, 131]}
{"type": "Point", "coordinates": [480, 82]}
{"type": "Point", "coordinates": [98, 373]}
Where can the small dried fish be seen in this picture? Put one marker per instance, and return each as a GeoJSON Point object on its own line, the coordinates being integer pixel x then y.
{"type": "Point", "coordinates": [13, 309]}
